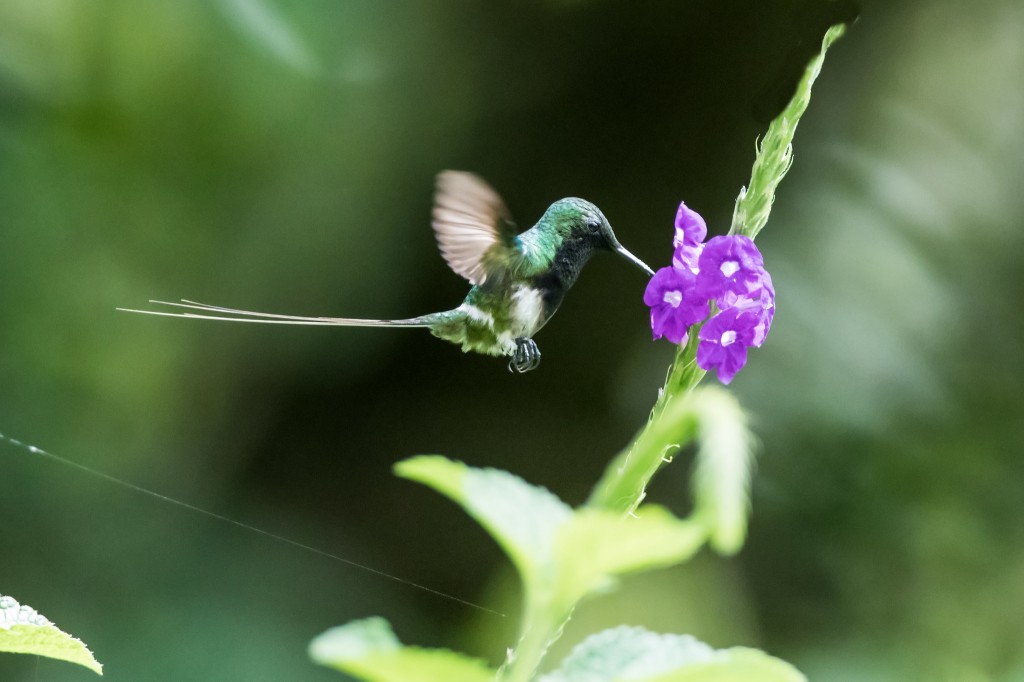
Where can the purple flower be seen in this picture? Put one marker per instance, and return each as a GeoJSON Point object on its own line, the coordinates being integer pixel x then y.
{"type": "Point", "coordinates": [729, 264]}
{"type": "Point", "coordinates": [728, 270]}
{"type": "Point", "coordinates": [674, 307]}
{"type": "Point", "coordinates": [723, 343]}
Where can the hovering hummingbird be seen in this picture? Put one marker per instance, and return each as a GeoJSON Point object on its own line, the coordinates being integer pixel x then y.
{"type": "Point", "coordinates": [518, 280]}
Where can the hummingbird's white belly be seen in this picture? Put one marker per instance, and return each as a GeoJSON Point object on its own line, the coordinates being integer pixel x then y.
{"type": "Point", "coordinates": [525, 317]}
{"type": "Point", "coordinates": [527, 310]}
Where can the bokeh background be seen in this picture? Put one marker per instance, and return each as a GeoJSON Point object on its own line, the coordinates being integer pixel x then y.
{"type": "Point", "coordinates": [280, 156]}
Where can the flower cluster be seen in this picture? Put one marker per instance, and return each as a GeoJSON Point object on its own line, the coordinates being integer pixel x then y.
{"type": "Point", "coordinates": [727, 270]}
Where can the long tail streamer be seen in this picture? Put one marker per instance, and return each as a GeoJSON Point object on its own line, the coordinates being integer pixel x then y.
{"type": "Point", "coordinates": [213, 312]}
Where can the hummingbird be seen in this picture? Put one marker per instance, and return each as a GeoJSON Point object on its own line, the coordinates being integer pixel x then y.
{"type": "Point", "coordinates": [518, 280]}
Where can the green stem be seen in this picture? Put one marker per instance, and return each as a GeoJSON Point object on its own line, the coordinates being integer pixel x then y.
{"type": "Point", "coordinates": [541, 628]}
{"type": "Point", "coordinates": [623, 485]}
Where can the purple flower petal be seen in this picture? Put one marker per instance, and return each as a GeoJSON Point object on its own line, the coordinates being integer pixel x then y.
{"type": "Point", "coordinates": [729, 264]}
{"type": "Point", "coordinates": [688, 239]}
{"type": "Point", "coordinates": [756, 309]}
{"type": "Point", "coordinates": [690, 227]}
{"type": "Point", "coordinates": [686, 257]}
{"type": "Point", "coordinates": [674, 308]}
{"type": "Point", "coordinates": [765, 310]}
{"type": "Point", "coordinates": [723, 343]}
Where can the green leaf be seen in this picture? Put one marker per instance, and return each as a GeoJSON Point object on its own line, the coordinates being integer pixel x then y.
{"type": "Point", "coordinates": [738, 664]}
{"type": "Point", "coordinates": [24, 631]}
{"type": "Point", "coordinates": [637, 655]}
{"type": "Point", "coordinates": [523, 518]}
{"type": "Point", "coordinates": [564, 553]}
{"type": "Point", "coordinates": [369, 650]}
{"type": "Point", "coordinates": [721, 477]}
{"type": "Point", "coordinates": [597, 545]}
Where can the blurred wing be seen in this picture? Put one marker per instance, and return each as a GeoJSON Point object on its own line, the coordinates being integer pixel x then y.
{"type": "Point", "coordinates": [473, 228]}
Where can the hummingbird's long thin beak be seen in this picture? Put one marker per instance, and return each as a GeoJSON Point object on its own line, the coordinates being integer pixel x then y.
{"type": "Point", "coordinates": [622, 251]}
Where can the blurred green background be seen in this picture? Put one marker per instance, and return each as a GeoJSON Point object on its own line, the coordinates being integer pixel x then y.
{"type": "Point", "coordinates": [280, 156]}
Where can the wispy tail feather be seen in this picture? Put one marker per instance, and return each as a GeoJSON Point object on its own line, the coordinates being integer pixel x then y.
{"type": "Point", "coordinates": [235, 315]}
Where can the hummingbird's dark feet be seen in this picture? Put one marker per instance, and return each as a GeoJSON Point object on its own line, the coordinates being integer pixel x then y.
{"type": "Point", "coordinates": [527, 356]}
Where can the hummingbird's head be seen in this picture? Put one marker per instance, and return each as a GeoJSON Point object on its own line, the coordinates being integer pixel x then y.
{"type": "Point", "coordinates": [580, 221]}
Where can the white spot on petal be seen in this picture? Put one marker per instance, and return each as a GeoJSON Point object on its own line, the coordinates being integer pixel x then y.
{"type": "Point", "coordinates": [673, 298]}
{"type": "Point", "coordinates": [728, 338]}
{"type": "Point", "coordinates": [729, 268]}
